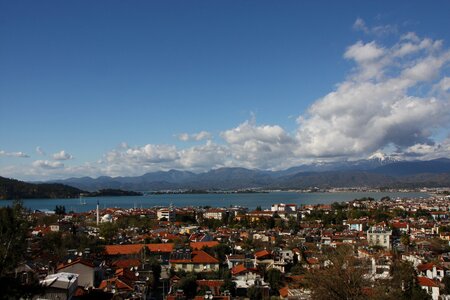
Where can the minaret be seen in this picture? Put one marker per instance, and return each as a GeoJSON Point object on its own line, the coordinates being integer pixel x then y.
{"type": "Point", "coordinates": [98, 213]}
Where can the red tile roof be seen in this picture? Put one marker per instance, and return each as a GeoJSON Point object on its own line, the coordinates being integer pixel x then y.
{"type": "Point", "coordinates": [119, 284]}
{"type": "Point", "coordinates": [126, 263]}
{"type": "Point", "coordinates": [425, 281]}
{"type": "Point", "coordinates": [136, 248]}
{"type": "Point", "coordinates": [262, 253]}
{"type": "Point", "coordinates": [425, 267]}
{"type": "Point", "coordinates": [77, 261]}
{"type": "Point", "coordinates": [239, 269]}
{"type": "Point", "coordinates": [210, 283]}
{"type": "Point", "coordinates": [201, 245]}
{"type": "Point", "coordinates": [123, 249]}
{"type": "Point", "coordinates": [284, 292]}
{"type": "Point", "coordinates": [167, 248]}
{"type": "Point", "coordinates": [197, 257]}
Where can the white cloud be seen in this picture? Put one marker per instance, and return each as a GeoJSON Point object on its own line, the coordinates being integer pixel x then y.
{"type": "Point", "coordinates": [443, 85]}
{"type": "Point", "coordinates": [46, 164]}
{"type": "Point", "coordinates": [62, 155]}
{"type": "Point", "coordinates": [202, 135]}
{"type": "Point", "coordinates": [14, 154]}
{"type": "Point", "coordinates": [360, 25]}
{"type": "Point", "coordinates": [361, 52]}
{"type": "Point", "coordinates": [263, 146]}
{"type": "Point", "coordinates": [40, 151]}
{"type": "Point", "coordinates": [396, 97]}
{"type": "Point", "coordinates": [379, 30]}
{"type": "Point", "coordinates": [429, 151]}
{"type": "Point", "coordinates": [205, 157]}
{"type": "Point", "coordinates": [372, 110]}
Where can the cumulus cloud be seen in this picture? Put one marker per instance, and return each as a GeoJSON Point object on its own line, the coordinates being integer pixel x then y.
{"type": "Point", "coordinates": [202, 135]}
{"type": "Point", "coordinates": [62, 155]}
{"type": "Point", "coordinates": [46, 164]}
{"type": "Point", "coordinates": [14, 154]}
{"type": "Point", "coordinates": [259, 146]}
{"type": "Point", "coordinates": [429, 151]}
{"type": "Point", "coordinates": [377, 106]}
{"type": "Point", "coordinates": [204, 157]}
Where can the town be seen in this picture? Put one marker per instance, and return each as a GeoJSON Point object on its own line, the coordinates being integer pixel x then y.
{"type": "Point", "coordinates": [385, 249]}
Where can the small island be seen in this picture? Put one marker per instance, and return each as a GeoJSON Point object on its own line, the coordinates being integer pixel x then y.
{"type": "Point", "coordinates": [111, 193]}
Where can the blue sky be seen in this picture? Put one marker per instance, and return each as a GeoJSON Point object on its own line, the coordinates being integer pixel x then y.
{"type": "Point", "coordinates": [123, 88]}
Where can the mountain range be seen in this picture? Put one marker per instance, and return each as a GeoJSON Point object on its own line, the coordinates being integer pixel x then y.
{"type": "Point", "coordinates": [377, 171]}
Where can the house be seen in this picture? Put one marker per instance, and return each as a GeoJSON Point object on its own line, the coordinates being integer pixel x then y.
{"type": "Point", "coordinates": [263, 257]}
{"type": "Point", "coordinates": [115, 285]}
{"type": "Point", "coordinates": [233, 260]}
{"type": "Point", "coordinates": [429, 285]}
{"type": "Point", "coordinates": [215, 213]}
{"type": "Point", "coordinates": [211, 285]}
{"type": "Point", "coordinates": [431, 270]}
{"type": "Point", "coordinates": [257, 215]}
{"type": "Point", "coordinates": [59, 286]}
{"type": "Point", "coordinates": [161, 251]}
{"type": "Point", "coordinates": [379, 236]}
{"type": "Point", "coordinates": [83, 268]}
{"type": "Point", "coordinates": [402, 227]}
{"type": "Point", "coordinates": [193, 261]}
{"type": "Point", "coordinates": [356, 225]}
{"type": "Point", "coordinates": [245, 278]}
{"type": "Point", "coordinates": [201, 245]}
{"type": "Point", "coordinates": [285, 211]}
{"type": "Point", "coordinates": [167, 214]}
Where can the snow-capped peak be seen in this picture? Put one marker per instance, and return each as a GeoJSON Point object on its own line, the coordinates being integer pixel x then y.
{"type": "Point", "coordinates": [378, 156]}
{"type": "Point", "coordinates": [382, 157]}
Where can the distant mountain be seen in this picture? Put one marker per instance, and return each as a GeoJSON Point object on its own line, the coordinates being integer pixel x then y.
{"type": "Point", "coordinates": [374, 161]}
{"type": "Point", "coordinates": [408, 168]}
{"type": "Point", "coordinates": [377, 171]}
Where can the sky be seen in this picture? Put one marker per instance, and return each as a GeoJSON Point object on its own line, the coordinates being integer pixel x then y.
{"type": "Point", "coordinates": [121, 88]}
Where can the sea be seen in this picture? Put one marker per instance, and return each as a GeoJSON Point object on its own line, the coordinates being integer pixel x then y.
{"type": "Point", "coordinates": [249, 200]}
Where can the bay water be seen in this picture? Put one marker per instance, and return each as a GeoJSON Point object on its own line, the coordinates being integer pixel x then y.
{"type": "Point", "coordinates": [249, 200]}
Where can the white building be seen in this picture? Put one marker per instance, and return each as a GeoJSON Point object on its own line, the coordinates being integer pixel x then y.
{"type": "Point", "coordinates": [215, 213]}
{"type": "Point", "coordinates": [285, 211]}
{"type": "Point", "coordinates": [59, 286]}
{"type": "Point", "coordinates": [379, 236]}
{"type": "Point", "coordinates": [166, 213]}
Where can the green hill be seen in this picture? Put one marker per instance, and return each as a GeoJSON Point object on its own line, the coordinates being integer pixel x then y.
{"type": "Point", "coordinates": [15, 189]}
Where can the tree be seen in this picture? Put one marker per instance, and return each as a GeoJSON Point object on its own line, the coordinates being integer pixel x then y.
{"type": "Point", "coordinates": [108, 231]}
{"type": "Point", "coordinates": [405, 240]}
{"type": "Point", "coordinates": [189, 285]}
{"type": "Point", "coordinates": [402, 285]}
{"type": "Point", "coordinates": [255, 293]}
{"type": "Point", "coordinates": [274, 279]}
{"type": "Point", "coordinates": [13, 234]}
{"type": "Point", "coordinates": [13, 245]}
{"type": "Point", "coordinates": [342, 277]}
{"type": "Point", "coordinates": [446, 282]}
{"type": "Point", "coordinates": [60, 210]}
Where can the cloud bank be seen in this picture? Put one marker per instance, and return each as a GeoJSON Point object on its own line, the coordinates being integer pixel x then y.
{"type": "Point", "coordinates": [396, 98]}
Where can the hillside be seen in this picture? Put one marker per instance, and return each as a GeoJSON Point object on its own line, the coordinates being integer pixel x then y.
{"type": "Point", "coordinates": [15, 189]}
